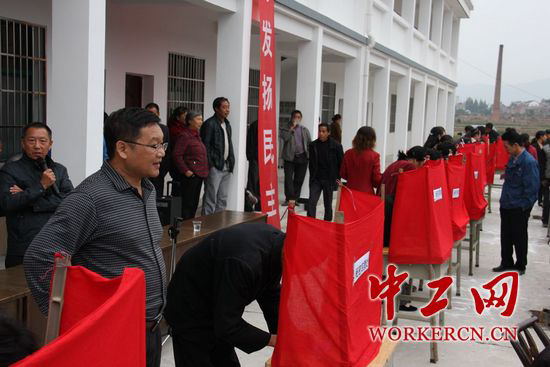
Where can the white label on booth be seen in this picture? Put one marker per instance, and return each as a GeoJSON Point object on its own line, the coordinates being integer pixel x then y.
{"type": "Point", "coordinates": [476, 174]}
{"type": "Point", "coordinates": [456, 193]}
{"type": "Point", "coordinates": [438, 194]}
{"type": "Point", "coordinates": [360, 266]}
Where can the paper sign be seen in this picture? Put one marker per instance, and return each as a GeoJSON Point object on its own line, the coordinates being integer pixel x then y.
{"type": "Point", "coordinates": [456, 193]}
{"type": "Point", "coordinates": [360, 266]}
{"type": "Point", "coordinates": [438, 194]}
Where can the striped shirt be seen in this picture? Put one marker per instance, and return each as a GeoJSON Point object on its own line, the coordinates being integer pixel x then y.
{"type": "Point", "coordinates": [106, 226]}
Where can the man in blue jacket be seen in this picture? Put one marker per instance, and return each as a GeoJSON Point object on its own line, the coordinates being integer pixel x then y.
{"type": "Point", "coordinates": [519, 194]}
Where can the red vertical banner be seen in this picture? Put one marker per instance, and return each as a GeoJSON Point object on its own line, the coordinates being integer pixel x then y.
{"type": "Point", "coordinates": [267, 125]}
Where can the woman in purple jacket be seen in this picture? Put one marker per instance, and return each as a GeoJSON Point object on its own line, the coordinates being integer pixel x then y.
{"type": "Point", "coordinates": [191, 162]}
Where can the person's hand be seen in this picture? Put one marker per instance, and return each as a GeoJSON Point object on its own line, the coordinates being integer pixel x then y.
{"type": "Point", "coordinates": [272, 341]}
{"type": "Point", "coordinates": [48, 178]}
{"type": "Point", "coordinates": [189, 173]}
{"type": "Point", "coordinates": [15, 189]}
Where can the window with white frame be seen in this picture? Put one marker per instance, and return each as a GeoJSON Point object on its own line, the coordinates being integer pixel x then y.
{"type": "Point", "coordinates": [328, 101]}
{"type": "Point", "coordinates": [22, 80]}
{"type": "Point", "coordinates": [253, 95]}
{"type": "Point", "coordinates": [185, 83]}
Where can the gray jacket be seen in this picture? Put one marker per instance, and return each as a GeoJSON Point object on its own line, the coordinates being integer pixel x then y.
{"type": "Point", "coordinates": [546, 150]}
{"type": "Point", "coordinates": [289, 143]}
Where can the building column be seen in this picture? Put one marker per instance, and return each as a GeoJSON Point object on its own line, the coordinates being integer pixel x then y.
{"type": "Point", "coordinates": [431, 109]}
{"type": "Point", "coordinates": [353, 117]}
{"type": "Point", "coordinates": [308, 81]}
{"type": "Point", "coordinates": [402, 111]}
{"type": "Point", "coordinates": [437, 9]}
{"type": "Point", "coordinates": [380, 106]}
{"type": "Point", "coordinates": [454, 38]}
{"type": "Point", "coordinates": [424, 16]}
{"type": "Point", "coordinates": [447, 31]}
{"type": "Point", "coordinates": [308, 88]}
{"type": "Point", "coordinates": [232, 68]}
{"type": "Point", "coordinates": [450, 113]}
{"type": "Point", "coordinates": [419, 105]}
{"type": "Point", "coordinates": [441, 107]}
{"type": "Point", "coordinates": [76, 95]}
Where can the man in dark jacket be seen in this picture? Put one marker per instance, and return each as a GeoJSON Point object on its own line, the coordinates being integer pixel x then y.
{"type": "Point", "coordinates": [213, 283]}
{"type": "Point", "coordinates": [252, 192]}
{"type": "Point", "coordinates": [325, 157]}
{"type": "Point", "coordinates": [490, 130]}
{"type": "Point", "coordinates": [519, 193]}
{"type": "Point", "coordinates": [166, 161]}
{"type": "Point", "coordinates": [296, 139]}
{"type": "Point", "coordinates": [31, 189]}
{"type": "Point", "coordinates": [216, 136]}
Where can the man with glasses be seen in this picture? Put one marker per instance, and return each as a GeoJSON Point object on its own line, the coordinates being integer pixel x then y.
{"type": "Point", "coordinates": [31, 189]}
{"type": "Point", "coordinates": [110, 221]}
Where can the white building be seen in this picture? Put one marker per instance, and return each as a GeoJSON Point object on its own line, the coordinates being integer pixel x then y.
{"type": "Point", "coordinates": [390, 64]}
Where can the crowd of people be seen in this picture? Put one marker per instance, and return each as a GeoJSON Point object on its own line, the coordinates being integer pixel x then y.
{"type": "Point", "coordinates": [110, 221]}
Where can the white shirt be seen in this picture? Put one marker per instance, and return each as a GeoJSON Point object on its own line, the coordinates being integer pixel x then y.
{"type": "Point", "coordinates": [226, 142]}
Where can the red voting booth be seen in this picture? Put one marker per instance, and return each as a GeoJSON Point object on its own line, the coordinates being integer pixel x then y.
{"type": "Point", "coordinates": [456, 171]}
{"type": "Point", "coordinates": [102, 323]}
{"type": "Point", "coordinates": [325, 309]}
{"type": "Point", "coordinates": [475, 181]}
{"type": "Point", "coordinates": [421, 231]}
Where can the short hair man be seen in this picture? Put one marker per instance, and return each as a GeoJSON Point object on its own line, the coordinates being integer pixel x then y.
{"type": "Point", "coordinates": [325, 159]}
{"type": "Point", "coordinates": [519, 193]}
{"type": "Point", "coordinates": [166, 161]}
{"type": "Point", "coordinates": [213, 283]}
{"type": "Point", "coordinates": [490, 130]}
{"type": "Point", "coordinates": [296, 139]}
{"type": "Point", "coordinates": [216, 136]}
{"type": "Point", "coordinates": [31, 189]}
{"type": "Point", "coordinates": [110, 221]}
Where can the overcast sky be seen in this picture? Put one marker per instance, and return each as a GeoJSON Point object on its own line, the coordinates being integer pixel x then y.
{"type": "Point", "coordinates": [522, 26]}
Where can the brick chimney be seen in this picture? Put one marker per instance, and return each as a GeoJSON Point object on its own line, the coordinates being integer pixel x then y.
{"type": "Point", "coordinates": [495, 115]}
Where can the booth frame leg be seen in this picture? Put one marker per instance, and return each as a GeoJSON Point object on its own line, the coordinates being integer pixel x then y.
{"type": "Point", "coordinates": [471, 249]}
{"type": "Point", "coordinates": [458, 267]}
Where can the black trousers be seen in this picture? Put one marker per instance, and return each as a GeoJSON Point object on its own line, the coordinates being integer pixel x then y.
{"type": "Point", "coordinates": [253, 185]}
{"type": "Point", "coordinates": [315, 189]}
{"type": "Point", "coordinates": [153, 345]}
{"type": "Point", "coordinates": [513, 236]}
{"type": "Point", "coordinates": [189, 189]}
{"type": "Point", "coordinates": [388, 216]}
{"type": "Point", "coordinates": [195, 354]}
{"type": "Point", "coordinates": [545, 203]}
{"type": "Point", "coordinates": [13, 260]}
{"type": "Point", "coordinates": [295, 172]}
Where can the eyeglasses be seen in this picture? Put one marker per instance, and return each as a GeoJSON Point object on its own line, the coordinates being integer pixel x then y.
{"type": "Point", "coordinates": [155, 147]}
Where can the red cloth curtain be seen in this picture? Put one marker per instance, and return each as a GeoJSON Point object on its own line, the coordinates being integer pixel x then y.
{"type": "Point", "coordinates": [475, 181]}
{"type": "Point", "coordinates": [491, 162]}
{"type": "Point", "coordinates": [456, 171]}
{"type": "Point", "coordinates": [421, 231]}
{"type": "Point", "coordinates": [502, 155]}
{"type": "Point", "coordinates": [102, 324]}
{"type": "Point", "coordinates": [325, 309]}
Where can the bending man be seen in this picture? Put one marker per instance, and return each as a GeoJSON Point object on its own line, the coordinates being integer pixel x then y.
{"type": "Point", "coordinates": [213, 283]}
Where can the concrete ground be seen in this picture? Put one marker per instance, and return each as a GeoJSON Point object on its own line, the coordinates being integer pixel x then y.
{"type": "Point", "coordinates": [534, 294]}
